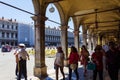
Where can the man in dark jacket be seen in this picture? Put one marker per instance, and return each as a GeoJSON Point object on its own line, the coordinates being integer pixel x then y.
{"type": "Point", "coordinates": [112, 61]}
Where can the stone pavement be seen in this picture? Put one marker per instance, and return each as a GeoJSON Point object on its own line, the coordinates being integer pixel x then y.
{"type": "Point", "coordinates": [51, 75]}
{"type": "Point", "coordinates": [7, 67]}
{"type": "Point", "coordinates": [80, 70]}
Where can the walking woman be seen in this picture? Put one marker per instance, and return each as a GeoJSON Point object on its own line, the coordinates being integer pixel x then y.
{"type": "Point", "coordinates": [84, 57]}
{"type": "Point", "coordinates": [97, 58]}
{"type": "Point", "coordinates": [59, 62]}
{"type": "Point", "coordinates": [73, 59]}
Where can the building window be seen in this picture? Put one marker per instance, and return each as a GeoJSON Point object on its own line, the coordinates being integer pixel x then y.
{"type": "Point", "coordinates": [16, 27]}
{"type": "Point", "coordinates": [7, 35]}
{"type": "Point", "coordinates": [12, 35]}
{"type": "Point", "coordinates": [7, 26]}
{"type": "Point", "coordinates": [3, 26]}
{"type": "Point", "coordinates": [16, 36]}
{"type": "Point", "coordinates": [12, 26]}
{"type": "Point", "coordinates": [3, 34]}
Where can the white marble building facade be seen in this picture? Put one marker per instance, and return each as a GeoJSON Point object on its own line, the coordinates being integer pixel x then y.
{"type": "Point", "coordinates": [8, 32]}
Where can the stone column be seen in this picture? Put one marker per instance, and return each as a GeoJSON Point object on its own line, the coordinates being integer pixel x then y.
{"type": "Point", "coordinates": [94, 41]}
{"type": "Point", "coordinates": [76, 39]}
{"type": "Point", "coordinates": [64, 43]}
{"type": "Point", "coordinates": [92, 47]}
{"type": "Point", "coordinates": [40, 69]}
{"type": "Point", "coordinates": [85, 37]}
{"type": "Point", "coordinates": [103, 41]}
{"type": "Point", "coordinates": [98, 40]}
{"type": "Point", "coordinates": [89, 42]}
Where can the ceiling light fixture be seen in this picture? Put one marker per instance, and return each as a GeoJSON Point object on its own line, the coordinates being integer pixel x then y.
{"type": "Point", "coordinates": [52, 9]}
{"type": "Point", "coordinates": [96, 21]}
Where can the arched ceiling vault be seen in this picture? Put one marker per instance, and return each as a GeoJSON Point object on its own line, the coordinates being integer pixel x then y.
{"type": "Point", "coordinates": [108, 12]}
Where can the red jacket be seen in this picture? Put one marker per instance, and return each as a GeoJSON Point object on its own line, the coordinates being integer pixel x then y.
{"type": "Point", "coordinates": [73, 58]}
{"type": "Point", "coordinates": [98, 60]}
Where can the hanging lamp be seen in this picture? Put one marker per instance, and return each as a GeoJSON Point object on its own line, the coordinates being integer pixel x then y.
{"type": "Point", "coordinates": [52, 9]}
{"type": "Point", "coordinates": [96, 21]}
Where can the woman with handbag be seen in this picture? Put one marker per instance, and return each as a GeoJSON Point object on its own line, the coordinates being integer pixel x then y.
{"type": "Point", "coordinates": [59, 62]}
{"type": "Point", "coordinates": [73, 62]}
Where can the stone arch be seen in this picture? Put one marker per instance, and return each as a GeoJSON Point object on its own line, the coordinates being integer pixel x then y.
{"type": "Point", "coordinates": [61, 13]}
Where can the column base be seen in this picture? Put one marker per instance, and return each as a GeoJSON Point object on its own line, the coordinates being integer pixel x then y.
{"type": "Point", "coordinates": [40, 72]}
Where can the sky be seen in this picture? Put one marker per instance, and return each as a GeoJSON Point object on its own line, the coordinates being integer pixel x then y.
{"type": "Point", "coordinates": [9, 12]}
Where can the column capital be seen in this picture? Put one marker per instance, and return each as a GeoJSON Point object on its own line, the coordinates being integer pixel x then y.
{"type": "Point", "coordinates": [39, 17]}
{"type": "Point", "coordinates": [76, 32]}
{"type": "Point", "coordinates": [34, 18]}
{"type": "Point", "coordinates": [42, 17]}
{"type": "Point", "coordinates": [39, 20]}
{"type": "Point", "coordinates": [64, 28]}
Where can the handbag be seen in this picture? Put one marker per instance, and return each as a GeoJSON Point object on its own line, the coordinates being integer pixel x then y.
{"type": "Point", "coordinates": [73, 66]}
{"type": "Point", "coordinates": [91, 66]}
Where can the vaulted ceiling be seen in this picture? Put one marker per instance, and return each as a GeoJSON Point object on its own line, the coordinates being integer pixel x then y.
{"type": "Point", "coordinates": [105, 14]}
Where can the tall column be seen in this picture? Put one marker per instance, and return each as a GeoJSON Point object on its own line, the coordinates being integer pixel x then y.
{"type": "Point", "coordinates": [89, 42]}
{"type": "Point", "coordinates": [40, 69]}
{"type": "Point", "coordinates": [84, 36]}
{"type": "Point", "coordinates": [94, 41]}
{"type": "Point", "coordinates": [103, 41]}
{"type": "Point", "coordinates": [98, 40]}
{"type": "Point", "coordinates": [64, 43]}
{"type": "Point", "coordinates": [76, 39]}
{"type": "Point", "coordinates": [92, 46]}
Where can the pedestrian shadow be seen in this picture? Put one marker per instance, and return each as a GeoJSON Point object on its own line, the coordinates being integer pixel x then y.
{"type": "Point", "coordinates": [80, 72]}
